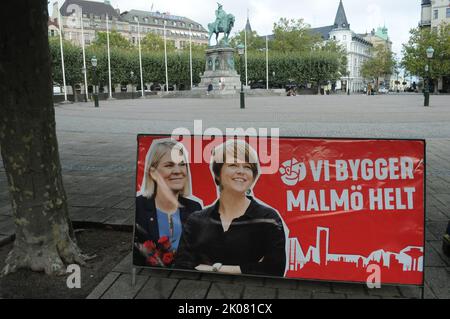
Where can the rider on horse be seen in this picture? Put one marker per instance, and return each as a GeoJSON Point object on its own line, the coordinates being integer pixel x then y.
{"type": "Point", "coordinates": [221, 18]}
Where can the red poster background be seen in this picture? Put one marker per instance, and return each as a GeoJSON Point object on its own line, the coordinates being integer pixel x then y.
{"type": "Point", "coordinates": [339, 245]}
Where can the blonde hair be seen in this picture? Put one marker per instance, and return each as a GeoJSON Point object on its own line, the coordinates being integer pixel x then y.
{"type": "Point", "coordinates": [157, 151]}
{"type": "Point", "coordinates": [232, 151]}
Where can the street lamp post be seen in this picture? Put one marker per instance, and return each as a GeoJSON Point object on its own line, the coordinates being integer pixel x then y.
{"type": "Point", "coordinates": [132, 81]}
{"type": "Point", "coordinates": [430, 52]}
{"type": "Point", "coordinates": [95, 92]}
{"type": "Point", "coordinates": [348, 85]}
{"type": "Point", "coordinates": [241, 49]}
{"type": "Point", "coordinates": [83, 70]}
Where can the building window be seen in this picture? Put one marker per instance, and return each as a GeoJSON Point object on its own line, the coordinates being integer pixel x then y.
{"type": "Point", "coordinates": [448, 13]}
{"type": "Point", "coordinates": [436, 14]}
{"type": "Point", "coordinates": [156, 21]}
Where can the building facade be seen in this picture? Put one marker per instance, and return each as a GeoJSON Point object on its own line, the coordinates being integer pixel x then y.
{"type": "Point", "coordinates": [178, 29]}
{"type": "Point", "coordinates": [93, 15]}
{"type": "Point", "coordinates": [357, 47]}
{"type": "Point", "coordinates": [379, 37]}
{"type": "Point", "coordinates": [434, 13]}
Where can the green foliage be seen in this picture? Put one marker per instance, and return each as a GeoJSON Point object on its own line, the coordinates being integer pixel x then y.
{"type": "Point", "coordinates": [314, 66]}
{"type": "Point", "coordinates": [153, 42]}
{"type": "Point", "coordinates": [293, 36]}
{"type": "Point", "coordinates": [73, 62]}
{"type": "Point", "coordinates": [116, 40]}
{"type": "Point", "coordinates": [381, 64]}
{"type": "Point", "coordinates": [414, 52]}
{"type": "Point", "coordinates": [254, 41]}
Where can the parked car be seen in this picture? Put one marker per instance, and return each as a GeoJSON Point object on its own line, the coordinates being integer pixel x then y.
{"type": "Point", "coordinates": [291, 86]}
{"type": "Point", "coordinates": [155, 87]}
{"type": "Point", "coordinates": [258, 85]}
{"type": "Point", "coordinates": [138, 88]}
{"type": "Point", "coordinates": [383, 90]}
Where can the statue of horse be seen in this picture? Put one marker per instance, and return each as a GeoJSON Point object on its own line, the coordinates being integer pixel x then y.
{"type": "Point", "coordinates": [217, 28]}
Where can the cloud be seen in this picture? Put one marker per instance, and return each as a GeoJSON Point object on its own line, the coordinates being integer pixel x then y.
{"type": "Point", "coordinates": [398, 15]}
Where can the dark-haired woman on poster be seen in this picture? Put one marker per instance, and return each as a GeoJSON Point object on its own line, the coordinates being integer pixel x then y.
{"type": "Point", "coordinates": [236, 235]}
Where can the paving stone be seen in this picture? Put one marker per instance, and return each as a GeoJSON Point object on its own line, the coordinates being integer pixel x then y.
{"type": "Point", "coordinates": [438, 279]}
{"type": "Point", "coordinates": [411, 292]}
{"type": "Point", "coordinates": [357, 296]}
{"type": "Point", "coordinates": [432, 257]}
{"type": "Point", "coordinates": [125, 265]}
{"type": "Point", "coordinates": [348, 289]}
{"type": "Point", "coordinates": [122, 288]}
{"type": "Point", "coordinates": [280, 283]}
{"type": "Point", "coordinates": [192, 275]}
{"type": "Point", "coordinates": [118, 216]}
{"type": "Point", "coordinates": [293, 294]}
{"type": "Point", "coordinates": [218, 278]}
{"type": "Point", "coordinates": [437, 246]}
{"type": "Point", "coordinates": [157, 288]}
{"type": "Point", "coordinates": [127, 203]}
{"type": "Point", "coordinates": [162, 273]}
{"type": "Point", "coordinates": [384, 291]}
{"type": "Point", "coordinates": [437, 228]}
{"type": "Point", "coordinates": [191, 289]}
{"type": "Point", "coordinates": [249, 281]}
{"type": "Point", "coordinates": [326, 295]}
{"type": "Point", "coordinates": [7, 227]}
{"type": "Point", "coordinates": [259, 293]}
{"type": "Point", "coordinates": [433, 213]}
{"type": "Point", "coordinates": [225, 291]}
{"type": "Point", "coordinates": [83, 213]}
{"type": "Point", "coordinates": [104, 285]}
{"type": "Point", "coordinates": [310, 286]}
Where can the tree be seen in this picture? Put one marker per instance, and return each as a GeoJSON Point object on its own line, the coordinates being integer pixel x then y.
{"type": "Point", "coordinates": [254, 41]}
{"type": "Point", "coordinates": [116, 40]}
{"type": "Point", "coordinates": [73, 63]}
{"type": "Point", "coordinates": [45, 239]}
{"type": "Point", "coordinates": [333, 47]}
{"type": "Point", "coordinates": [153, 42]}
{"type": "Point", "coordinates": [293, 35]}
{"type": "Point", "coordinates": [379, 65]}
{"type": "Point", "coordinates": [415, 56]}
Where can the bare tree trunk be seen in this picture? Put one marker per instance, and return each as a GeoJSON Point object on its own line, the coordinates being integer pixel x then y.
{"type": "Point", "coordinates": [29, 148]}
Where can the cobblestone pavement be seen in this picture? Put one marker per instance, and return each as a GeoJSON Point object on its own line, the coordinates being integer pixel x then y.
{"type": "Point", "coordinates": [98, 153]}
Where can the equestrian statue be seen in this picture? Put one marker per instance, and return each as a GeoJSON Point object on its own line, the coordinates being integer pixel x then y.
{"type": "Point", "coordinates": [223, 24]}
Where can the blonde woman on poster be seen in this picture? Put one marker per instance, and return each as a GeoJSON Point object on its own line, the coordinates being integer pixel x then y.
{"type": "Point", "coordinates": [162, 205]}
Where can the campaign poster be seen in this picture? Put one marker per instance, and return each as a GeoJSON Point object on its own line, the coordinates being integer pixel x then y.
{"type": "Point", "coordinates": [319, 209]}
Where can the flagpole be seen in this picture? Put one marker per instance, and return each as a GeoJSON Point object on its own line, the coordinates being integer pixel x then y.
{"type": "Point", "coordinates": [165, 58]}
{"type": "Point", "coordinates": [245, 40]}
{"type": "Point", "coordinates": [84, 57]}
{"type": "Point", "coordinates": [140, 58]}
{"type": "Point", "coordinates": [267, 64]}
{"type": "Point", "coordinates": [190, 54]}
{"type": "Point", "coordinates": [109, 56]}
{"type": "Point", "coordinates": [62, 53]}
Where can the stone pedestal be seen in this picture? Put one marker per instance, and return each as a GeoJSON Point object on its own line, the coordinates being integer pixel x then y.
{"type": "Point", "coordinates": [220, 71]}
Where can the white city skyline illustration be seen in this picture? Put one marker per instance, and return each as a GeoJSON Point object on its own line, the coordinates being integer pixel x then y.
{"type": "Point", "coordinates": [411, 257]}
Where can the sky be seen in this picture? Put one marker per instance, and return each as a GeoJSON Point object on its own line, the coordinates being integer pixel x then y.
{"type": "Point", "coordinates": [399, 16]}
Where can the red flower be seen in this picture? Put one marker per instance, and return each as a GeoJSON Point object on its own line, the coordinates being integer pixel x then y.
{"type": "Point", "coordinates": [165, 242]}
{"type": "Point", "coordinates": [149, 245]}
{"type": "Point", "coordinates": [152, 261]}
{"type": "Point", "coordinates": [167, 258]}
